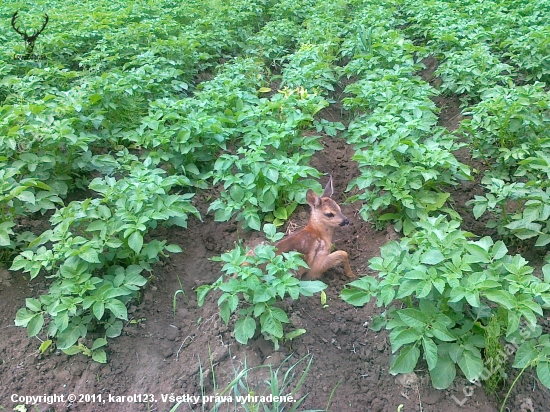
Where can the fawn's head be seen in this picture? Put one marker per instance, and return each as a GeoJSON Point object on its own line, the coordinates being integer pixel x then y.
{"type": "Point", "coordinates": [324, 210]}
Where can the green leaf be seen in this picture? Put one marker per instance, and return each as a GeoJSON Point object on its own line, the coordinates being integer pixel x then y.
{"type": "Point", "coordinates": [405, 361]}
{"type": "Point", "coordinates": [202, 292]}
{"type": "Point", "coordinates": [117, 308]}
{"type": "Point", "coordinates": [272, 175]}
{"type": "Point", "coordinates": [223, 215]}
{"type": "Point", "coordinates": [440, 332]}
{"type": "Point", "coordinates": [23, 317]}
{"type": "Point", "coordinates": [413, 317]}
{"type": "Point", "coordinates": [423, 289]}
{"type": "Point", "coordinates": [271, 324]}
{"type": "Point", "coordinates": [135, 241]}
{"type": "Point", "coordinates": [45, 345]}
{"type": "Point", "coordinates": [237, 193]}
{"type": "Point", "coordinates": [543, 373]}
{"type": "Point", "coordinates": [26, 197]}
{"type": "Point", "coordinates": [89, 255]}
{"type": "Point", "coordinates": [245, 328]}
{"type": "Point", "coordinates": [253, 221]}
{"type": "Point", "coordinates": [443, 373]}
{"type": "Point", "coordinates": [407, 288]}
{"type": "Point", "coordinates": [35, 325]}
{"type": "Point", "coordinates": [525, 354]}
{"type": "Point", "coordinates": [233, 302]}
{"type": "Point", "coordinates": [432, 257]}
{"type": "Point", "coordinates": [279, 314]}
{"type": "Point", "coordinates": [98, 309]}
{"type": "Point", "coordinates": [173, 248]}
{"type": "Point", "coordinates": [473, 298]}
{"type": "Point", "coordinates": [404, 337]}
{"type": "Point", "coordinates": [499, 250]}
{"type": "Point", "coordinates": [99, 356]}
{"type": "Point", "coordinates": [430, 352]}
{"type": "Point", "coordinates": [114, 330]}
{"type": "Point", "coordinates": [19, 263]}
{"type": "Point", "coordinates": [73, 350]}
{"type": "Point", "coordinates": [513, 323]}
{"type": "Point", "coordinates": [387, 294]}
{"type": "Point", "coordinates": [471, 364]}
{"type": "Point", "coordinates": [262, 293]}
{"type": "Point", "coordinates": [478, 254]}
{"type": "Point", "coordinates": [33, 304]}
{"type": "Point", "coordinates": [543, 240]}
{"type": "Point", "coordinates": [355, 296]}
{"type": "Point", "coordinates": [280, 213]}
{"type": "Point", "coordinates": [478, 210]}
{"type": "Point", "coordinates": [96, 225]}
{"type": "Point", "coordinates": [225, 312]}
{"type": "Point", "coordinates": [501, 297]}
{"type": "Point", "coordinates": [309, 287]}
{"type": "Point", "coordinates": [294, 334]}
{"type": "Point", "coordinates": [98, 343]}
{"type": "Point", "coordinates": [67, 338]}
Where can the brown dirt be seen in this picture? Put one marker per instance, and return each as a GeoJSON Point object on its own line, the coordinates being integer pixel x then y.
{"type": "Point", "coordinates": [160, 353]}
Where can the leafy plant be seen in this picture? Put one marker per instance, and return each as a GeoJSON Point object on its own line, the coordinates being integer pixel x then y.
{"type": "Point", "coordinates": [518, 209]}
{"type": "Point", "coordinates": [97, 255]}
{"type": "Point", "coordinates": [402, 166]}
{"type": "Point", "coordinates": [472, 71]}
{"type": "Point", "coordinates": [508, 126]}
{"type": "Point", "coordinates": [311, 68]}
{"type": "Point", "coordinates": [255, 282]}
{"type": "Point", "coordinates": [451, 287]}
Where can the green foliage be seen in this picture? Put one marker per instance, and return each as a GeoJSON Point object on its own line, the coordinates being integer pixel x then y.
{"type": "Point", "coordinates": [517, 209]}
{"type": "Point", "coordinates": [275, 40]}
{"type": "Point", "coordinates": [483, 43]}
{"type": "Point", "coordinates": [404, 158]}
{"type": "Point", "coordinates": [311, 68]}
{"type": "Point", "coordinates": [493, 354]}
{"type": "Point", "coordinates": [472, 71]}
{"type": "Point", "coordinates": [97, 252]}
{"type": "Point", "coordinates": [508, 126]}
{"type": "Point", "coordinates": [253, 284]}
{"type": "Point", "coordinates": [165, 87]}
{"type": "Point", "coordinates": [508, 130]}
{"type": "Point", "coordinates": [451, 287]}
{"type": "Point", "coordinates": [269, 168]}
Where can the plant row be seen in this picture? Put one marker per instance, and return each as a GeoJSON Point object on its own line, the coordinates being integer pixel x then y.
{"type": "Point", "coordinates": [447, 298]}
{"type": "Point", "coordinates": [404, 157]}
{"type": "Point", "coordinates": [254, 283]}
{"type": "Point", "coordinates": [506, 127]}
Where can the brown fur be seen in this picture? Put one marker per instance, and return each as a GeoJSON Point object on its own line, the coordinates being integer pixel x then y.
{"type": "Point", "coordinates": [315, 240]}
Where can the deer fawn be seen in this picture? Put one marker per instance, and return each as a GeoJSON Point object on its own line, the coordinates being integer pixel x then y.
{"type": "Point", "coordinates": [315, 240]}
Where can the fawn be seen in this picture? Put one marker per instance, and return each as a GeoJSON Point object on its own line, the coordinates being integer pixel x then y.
{"type": "Point", "coordinates": [315, 240]}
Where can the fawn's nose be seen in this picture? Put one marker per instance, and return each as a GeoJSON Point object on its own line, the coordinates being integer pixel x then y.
{"type": "Point", "coordinates": [345, 222]}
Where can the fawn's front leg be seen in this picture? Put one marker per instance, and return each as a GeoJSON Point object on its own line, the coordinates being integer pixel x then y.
{"type": "Point", "coordinates": [321, 265]}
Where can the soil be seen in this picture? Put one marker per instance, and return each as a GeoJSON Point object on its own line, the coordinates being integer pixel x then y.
{"type": "Point", "coordinates": [162, 353]}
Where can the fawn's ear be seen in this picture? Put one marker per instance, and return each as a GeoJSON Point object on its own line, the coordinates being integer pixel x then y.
{"type": "Point", "coordinates": [312, 199]}
{"type": "Point", "coordinates": [329, 190]}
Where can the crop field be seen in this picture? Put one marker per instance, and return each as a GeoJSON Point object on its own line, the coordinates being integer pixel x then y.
{"type": "Point", "coordinates": [146, 147]}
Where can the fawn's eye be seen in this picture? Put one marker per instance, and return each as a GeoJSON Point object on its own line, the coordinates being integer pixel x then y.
{"type": "Point", "coordinates": [329, 214]}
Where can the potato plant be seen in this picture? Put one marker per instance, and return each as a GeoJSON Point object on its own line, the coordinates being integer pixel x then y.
{"type": "Point", "coordinates": [441, 290]}
{"type": "Point", "coordinates": [252, 285]}
{"type": "Point", "coordinates": [404, 158]}
{"type": "Point", "coordinates": [96, 254]}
